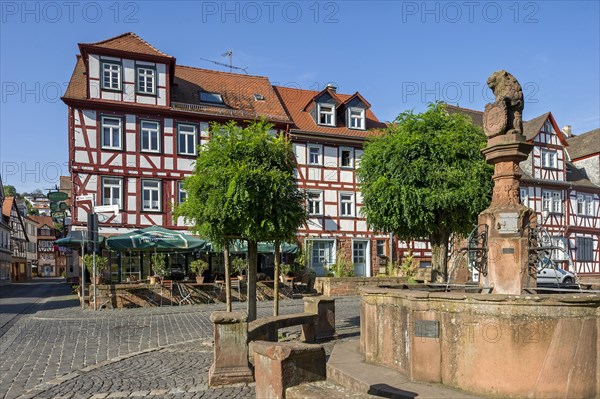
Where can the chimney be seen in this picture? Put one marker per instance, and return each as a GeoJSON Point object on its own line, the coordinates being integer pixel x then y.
{"type": "Point", "coordinates": [331, 87]}
{"type": "Point", "coordinates": [567, 130]}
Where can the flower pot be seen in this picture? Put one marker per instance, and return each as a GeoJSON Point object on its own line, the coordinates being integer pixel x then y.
{"type": "Point", "coordinates": [200, 279]}
{"type": "Point", "coordinates": [98, 280]}
{"type": "Point", "coordinates": [241, 278]}
{"type": "Point", "coordinates": [153, 280]}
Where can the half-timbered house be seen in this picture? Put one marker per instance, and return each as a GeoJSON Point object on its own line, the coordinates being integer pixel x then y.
{"type": "Point", "coordinates": [5, 247]}
{"type": "Point", "coordinates": [328, 131]}
{"type": "Point", "coordinates": [18, 239]}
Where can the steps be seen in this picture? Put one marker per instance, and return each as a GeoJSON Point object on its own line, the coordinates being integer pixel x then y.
{"type": "Point", "coordinates": [324, 389]}
{"type": "Point", "coordinates": [346, 367]}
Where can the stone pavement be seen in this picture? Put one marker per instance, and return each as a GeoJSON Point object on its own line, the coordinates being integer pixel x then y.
{"type": "Point", "coordinates": [57, 350]}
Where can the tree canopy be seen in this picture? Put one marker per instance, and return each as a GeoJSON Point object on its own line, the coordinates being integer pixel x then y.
{"type": "Point", "coordinates": [243, 186]}
{"type": "Point", "coordinates": [425, 177]}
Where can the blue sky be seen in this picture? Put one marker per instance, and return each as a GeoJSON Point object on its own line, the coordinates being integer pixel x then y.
{"type": "Point", "coordinates": [399, 54]}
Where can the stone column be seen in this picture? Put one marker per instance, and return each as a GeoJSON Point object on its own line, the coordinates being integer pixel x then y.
{"type": "Point", "coordinates": [280, 365]}
{"type": "Point", "coordinates": [324, 328]}
{"type": "Point", "coordinates": [230, 365]}
{"type": "Point", "coordinates": [507, 219]}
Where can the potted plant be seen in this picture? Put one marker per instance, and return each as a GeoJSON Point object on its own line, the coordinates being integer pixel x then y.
{"type": "Point", "coordinates": [101, 266]}
{"type": "Point", "coordinates": [159, 266]}
{"type": "Point", "coordinates": [239, 266]}
{"type": "Point", "coordinates": [198, 267]}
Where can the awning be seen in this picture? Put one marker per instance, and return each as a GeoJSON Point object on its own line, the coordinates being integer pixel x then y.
{"type": "Point", "coordinates": [156, 238]}
{"type": "Point", "coordinates": [75, 239]}
{"type": "Point", "coordinates": [241, 247]}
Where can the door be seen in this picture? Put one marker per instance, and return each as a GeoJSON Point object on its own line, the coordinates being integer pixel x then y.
{"type": "Point", "coordinates": [360, 258]}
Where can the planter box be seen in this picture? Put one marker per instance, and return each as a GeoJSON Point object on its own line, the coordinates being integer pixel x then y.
{"type": "Point", "coordinates": [345, 286]}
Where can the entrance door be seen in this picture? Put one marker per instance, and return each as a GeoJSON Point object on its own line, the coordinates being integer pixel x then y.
{"type": "Point", "coordinates": [360, 258]}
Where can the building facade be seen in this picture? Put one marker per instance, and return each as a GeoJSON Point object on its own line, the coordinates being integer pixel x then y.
{"type": "Point", "coordinates": [31, 246]}
{"type": "Point", "coordinates": [5, 248]}
{"type": "Point", "coordinates": [136, 119]}
{"type": "Point", "coordinates": [47, 255]}
{"type": "Point", "coordinates": [18, 240]}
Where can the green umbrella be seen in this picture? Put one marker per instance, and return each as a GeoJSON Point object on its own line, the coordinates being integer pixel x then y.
{"type": "Point", "coordinates": [157, 239]}
{"type": "Point", "coordinates": [75, 239]}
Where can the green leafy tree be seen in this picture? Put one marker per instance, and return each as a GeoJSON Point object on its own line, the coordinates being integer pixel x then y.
{"type": "Point", "coordinates": [243, 186]}
{"type": "Point", "coordinates": [425, 177]}
{"type": "Point", "coordinates": [10, 191]}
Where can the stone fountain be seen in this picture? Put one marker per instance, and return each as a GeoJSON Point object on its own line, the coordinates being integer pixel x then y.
{"type": "Point", "coordinates": [499, 342]}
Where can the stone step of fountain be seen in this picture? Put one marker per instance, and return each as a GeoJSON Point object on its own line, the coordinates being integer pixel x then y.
{"type": "Point", "coordinates": [324, 389]}
{"type": "Point", "coordinates": [346, 367]}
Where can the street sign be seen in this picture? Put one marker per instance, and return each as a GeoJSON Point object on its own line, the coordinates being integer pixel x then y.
{"type": "Point", "coordinates": [107, 208]}
{"type": "Point", "coordinates": [88, 197]}
{"type": "Point", "coordinates": [57, 196]}
{"type": "Point", "coordinates": [63, 206]}
{"type": "Point", "coordinates": [58, 215]}
{"type": "Point", "coordinates": [54, 206]}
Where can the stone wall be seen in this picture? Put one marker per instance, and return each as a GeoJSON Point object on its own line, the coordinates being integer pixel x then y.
{"type": "Point", "coordinates": [344, 286]}
{"type": "Point", "coordinates": [541, 346]}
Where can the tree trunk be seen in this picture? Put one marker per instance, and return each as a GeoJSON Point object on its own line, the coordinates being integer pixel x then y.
{"type": "Point", "coordinates": [227, 273]}
{"type": "Point", "coordinates": [439, 261]}
{"type": "Point", "coordinates": [276, 278]}
{"type": "Point", "coordinates": [252, 266]}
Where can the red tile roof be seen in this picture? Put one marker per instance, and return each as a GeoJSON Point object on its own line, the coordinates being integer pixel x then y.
{"type": "Point", "coordinates": [129, 42]}
{"type": "Point", "coordinates": [295, 102]}
{"type": "Point", "coordinates": [7, 206]}
{"type": "Point", "coordinates": [236, 90]}
{"type": "Point", "coordinates": [43, 220]}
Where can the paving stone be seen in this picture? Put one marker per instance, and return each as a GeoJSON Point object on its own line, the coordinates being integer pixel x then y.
{"type": "Point", "coordinates": [146, 352]}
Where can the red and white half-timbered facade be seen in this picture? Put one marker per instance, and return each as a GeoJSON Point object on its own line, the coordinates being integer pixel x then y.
{"type": "Point", "coordinates": [328, 132]}
{"type": "Point", "coordinates": [136, 119]}
{"type": "Point", "coordinates": [135, 122]}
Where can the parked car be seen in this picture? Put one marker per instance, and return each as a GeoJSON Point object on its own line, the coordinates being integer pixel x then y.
{"type": "Point", "coordinates": [555, 276]}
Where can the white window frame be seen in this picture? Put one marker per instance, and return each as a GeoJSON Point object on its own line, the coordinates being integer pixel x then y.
{"type": "Point", "coordinates": [151, 205]}
{"type": "Point", "coordinates": [181, 192]}
{"type": "Point", "coordinates": [330, 114]}
{"type": "Point", "coordinates": [548, 128]}
{"type": "Point", "coordinates": [347, 206]}
{"type": "Point", "coordinates": [549, 159]}
{"type": "Point", "coordinates": [581, 205]}
{"type": "Point", "coordinates": [313, 202]}
{"type": "Point", "coordinates": [208, 97]}
{"type": "Point", "coordinates": [557, 202]}
{"type": "Point", "coordinates": [115, 185]}
{"type": "Point", "coordinates": [147, 74]}
{"type": "Point", "coordinates": [103, 125]}
{"type": "Point", "coordinates": [322, 253]}
{"type": "Point", "coordinates": [524, 196]}
{"type": "Point", "coordinates": [589, 205]}
{"type": "Point", "coordinates": [115, 70]}
{"type": "Point", "coordinates": [150, 131]}
{"type": "Point", "coordinates": [319, 154]}
{"type": "Point", "coordinates": [360, 119]}
{"type": "Point", "coordinates": [193, 134]}
{"type": "Point", "coordinates": [351, 151]}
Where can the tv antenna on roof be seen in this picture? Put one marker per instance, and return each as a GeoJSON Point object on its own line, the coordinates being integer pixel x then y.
{"type": "Point", "coordinates": [228, 53]}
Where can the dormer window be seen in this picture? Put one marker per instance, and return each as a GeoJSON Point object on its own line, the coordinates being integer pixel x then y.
{"type": "Point", "coordinates": [356, 118]}
{"type": "Point", "coordinates": [326, 115]}
{"type": "Point", "coordinates": [213, 98]}
{"type": "Point", "coordinates": [548, 127]}
{"type": "Point", "coordinates": [259, 97]}
{"type": "Point", "coordinates": [111, 76]}
{"type": "Point", "coordinates": [146, 80]}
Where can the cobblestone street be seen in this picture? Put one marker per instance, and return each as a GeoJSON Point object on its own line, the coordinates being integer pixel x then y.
{"type": "Point", "coordinates": [53, 349]}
